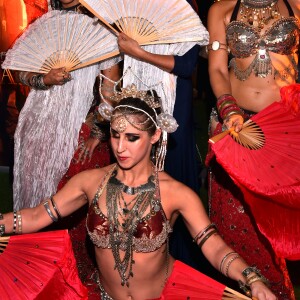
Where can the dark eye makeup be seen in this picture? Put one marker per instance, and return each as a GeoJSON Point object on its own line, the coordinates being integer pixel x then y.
{"type": "Point", "coordinates": [131, 137]}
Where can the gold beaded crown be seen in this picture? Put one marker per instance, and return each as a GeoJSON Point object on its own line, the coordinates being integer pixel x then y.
{"type": "Point", "coordinates": [133, 92]}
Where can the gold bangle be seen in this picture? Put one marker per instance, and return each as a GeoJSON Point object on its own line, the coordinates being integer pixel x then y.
{"type": "Point", "coordinates": [224, 258]}
{"type": "Point", "coordinates": [229, 263]}
{"type": "Point", "coordinates": [205, 238]}
{"type": "Point", "coordinates": [19, 217]}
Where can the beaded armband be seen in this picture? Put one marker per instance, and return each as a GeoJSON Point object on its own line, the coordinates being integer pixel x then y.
{"type": "Point", "coordinates": [37, 82]}
{"type": "Point", "coordinates": [2, 226]}
{"type": "Point", "coordinates": [23, 77]}
{"type": "Point", "coordinates": [227, 106]}
{"type": "Point", "coordinates": [251, 274]}
{"type": "Point", "coordinates": [2, 229]}
{"type": "Point", "coordinates": [19, 222]}
{"type": "Point", "coordinates": [14, 222]}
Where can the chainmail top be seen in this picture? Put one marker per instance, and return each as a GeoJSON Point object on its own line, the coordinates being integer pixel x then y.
{"type": "Point", "coordinates": [282, 38]}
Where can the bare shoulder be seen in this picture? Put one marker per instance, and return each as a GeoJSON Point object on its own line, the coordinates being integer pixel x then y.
{"type": "Point", "coordinates": [223, 6]}
{"type": "Point", "coordinates": [221, 10]}
{"type": "Point", "coordinates": [174, 190]}
{"type": "Point", "coordinates": [89, 180]}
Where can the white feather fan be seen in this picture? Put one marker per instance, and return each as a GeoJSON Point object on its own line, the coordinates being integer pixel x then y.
{"type": "Point", "coordinates": [149, 22]}
{"type": "Point", "coordinates": [61, 39]}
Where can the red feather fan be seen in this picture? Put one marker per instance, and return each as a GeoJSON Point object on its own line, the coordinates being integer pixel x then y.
{"type": "Point", "coordinates": [39, 266]}
{"type": "Point", "coordinates": [269, 175]}
{"type": "Point", "coordinates": [187, 283]}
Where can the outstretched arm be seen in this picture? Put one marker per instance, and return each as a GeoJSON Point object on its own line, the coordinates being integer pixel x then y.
{"type": "Point", "coordinates": [218, 253]}
{"type": "Point", "coordinates": [66, 201]}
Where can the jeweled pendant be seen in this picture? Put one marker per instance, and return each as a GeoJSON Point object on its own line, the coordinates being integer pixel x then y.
{"type": "Point", "coordinates": [262, 53]}
{"type": "Point", "coordinates": [156, 208]}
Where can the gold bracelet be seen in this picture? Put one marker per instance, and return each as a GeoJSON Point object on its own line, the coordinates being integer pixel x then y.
{"type": "Point", "coordinates": [224, 258]}
{"type": "Point", "coordinates": [229, 263]}
{"type": "Point", "coordinates": [19, 217]}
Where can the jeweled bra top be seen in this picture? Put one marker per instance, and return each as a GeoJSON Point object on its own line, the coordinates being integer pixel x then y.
{"type": "Point", "coordinates": [244, 40]}
{"type": "Point", "coordinates": [151, 233]}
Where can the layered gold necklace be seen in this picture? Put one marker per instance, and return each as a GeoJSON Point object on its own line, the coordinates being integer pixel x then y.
{"type": "Point", "coordinates": [258, 13]}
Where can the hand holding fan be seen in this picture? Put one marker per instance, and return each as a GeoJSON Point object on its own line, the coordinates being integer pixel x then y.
{"type": "Point", "coordinates": [251, 136]}
{"type": "Point", "coordinates": [267, 169]}
{"type": "Point", "coordinates": [188, 283]}
{"type": "Point", "coordinates": [61, 39]}
{"type": "Point", "coordinates": [149, 22]}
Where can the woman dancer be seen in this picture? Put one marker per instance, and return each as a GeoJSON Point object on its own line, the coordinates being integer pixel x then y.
{"type": "Point", "coordinates": [173, 64]}
{"type": "Point", "coordinates": [131, 213]}
{"type": "Point", "coordinates": [262, 37]}
{"type": "Point", "coordinates": [49, 124]}
{"type": "Point", "coordinates": [58, 136]}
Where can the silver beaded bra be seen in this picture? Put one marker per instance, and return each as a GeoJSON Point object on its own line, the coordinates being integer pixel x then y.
{"type": "Point", "coordinates": [244, 41]}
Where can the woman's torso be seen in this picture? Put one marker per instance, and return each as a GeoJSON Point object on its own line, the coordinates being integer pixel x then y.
{"type": "Point", "coordinates": [279, 39]}
{"type": "Point", "coordinates": [150, 253]}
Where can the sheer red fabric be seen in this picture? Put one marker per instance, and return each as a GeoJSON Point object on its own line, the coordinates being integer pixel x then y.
{"type": "Point", "coordinates": [82, 246]}
{"type": "Point", "coordinates": [40, 266]}
{"type": "Point", "coordinates": [35, 9]}
{"type": "Point", "coordinates": [270, 176]}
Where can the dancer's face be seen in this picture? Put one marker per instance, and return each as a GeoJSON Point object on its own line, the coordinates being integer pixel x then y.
{"type": "Point", "coordinates": [68, 3]}
{"type": "Point", "coordinates": [131, 146]}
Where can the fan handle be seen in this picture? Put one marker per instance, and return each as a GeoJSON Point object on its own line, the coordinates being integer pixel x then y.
{"type": "Point", "coordinates": [219, 136]}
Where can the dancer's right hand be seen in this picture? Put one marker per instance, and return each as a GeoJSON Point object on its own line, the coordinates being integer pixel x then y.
{"type": "Point", "coordinates": [57, 77]}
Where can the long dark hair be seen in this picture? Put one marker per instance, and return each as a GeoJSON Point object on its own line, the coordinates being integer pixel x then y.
{"type": "Point", "coordinates": [56, 5]}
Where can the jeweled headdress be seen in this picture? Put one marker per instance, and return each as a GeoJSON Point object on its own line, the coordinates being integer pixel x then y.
{"type": "Point", "coordinates": [165, 121]}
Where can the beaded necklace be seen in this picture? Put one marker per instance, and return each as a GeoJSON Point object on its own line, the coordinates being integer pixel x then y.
{"type": "Point", "coordinates": [258, 13]}
{"type": "Point", "coordinates": [124, 218]}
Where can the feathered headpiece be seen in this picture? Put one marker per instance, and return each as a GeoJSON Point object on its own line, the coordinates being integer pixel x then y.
{"type": "Point", "coordinates": [164, 121]}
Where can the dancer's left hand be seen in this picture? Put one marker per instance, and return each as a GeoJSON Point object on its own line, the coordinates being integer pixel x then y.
{"type": "Point", "coordinates": [87, 149]}
{"type": "Point", "coordinates": [261, 292]}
